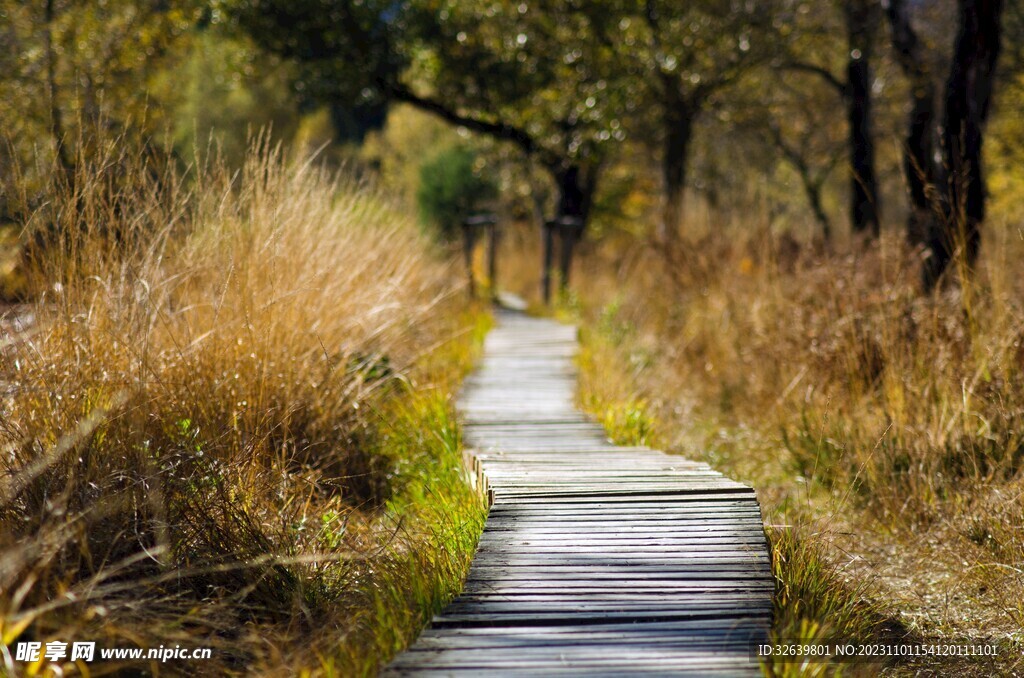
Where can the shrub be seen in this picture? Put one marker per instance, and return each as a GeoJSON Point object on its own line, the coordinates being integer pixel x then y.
{"type": "Point", "coordinates": [451, 189]}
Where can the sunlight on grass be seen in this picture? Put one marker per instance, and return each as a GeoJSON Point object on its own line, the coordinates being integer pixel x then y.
{"type": "Point", "coordinates": [232, 419]}
{"type": "Point", "coordinates": [881, 427]}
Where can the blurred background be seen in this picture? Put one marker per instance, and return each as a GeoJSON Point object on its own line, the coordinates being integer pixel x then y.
{"type": "Point", "coordinates": [638, 117]}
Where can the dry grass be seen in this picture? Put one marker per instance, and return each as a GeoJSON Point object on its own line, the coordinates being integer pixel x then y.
{"type": "Point", "coordinates": [229, 424]}
{"type": "Point", "coordinates": [881, 427]}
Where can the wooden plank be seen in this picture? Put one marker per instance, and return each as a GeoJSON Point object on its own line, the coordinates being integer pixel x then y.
{"type": "Point", "coordinates": [625, 563]}
{"type": "Point", "coordinates": [603, 528]}
{"type": "Point", "coordinates": [690, 526]}
{"type": "Point", "coordinates": [556, 672]}
{"type": "Point", "coordinates": [640, 546]}
{"type": "Point", "coordinates": [570, 480]}
{"type": "Point", "coordinates": [515, 539]}
{"type": "Point", "coordinates": [704, 647]}
{"type": "Point", "coordinates": [682, 505]}
{"type": "Point", "coordinates": [653, 641]}
{"type": "Point", "coordinates": [592, 589]}
{"type": "Point", "coordinates": [597, 519]}
{"type": "Point", "coordinates": [498, 583]}
{"type": "Point", "coordinates": [621, 503]}
{"type": "Point", "coordinates": [612, 629]}
{"type": "Point", "coordinates": [629, 657]}
{"type": "Point", "coordinates": [678, 510]}
{"type": "Point", "coordinates": [637, 575]}
{"type": "Point", "coordinates": [681, 523]}
{"type": "Point", "coordinates": [575, 492]}
{"type": "Point", "coordinates": [665, 530]}
{"type": "Point", "coordinates": [577, 602]}
{"type": "Point", "coordinates": [508, 616]}
{"type": "Point", "coordinates": [593, 672]}
{"type": "Point", "coordinates": [629, 571]}
{"type": "Point", "coordinates": [625, 454]}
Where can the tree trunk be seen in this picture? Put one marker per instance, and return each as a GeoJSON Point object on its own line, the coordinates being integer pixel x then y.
{"type": "Point", "coordinates": [968, 96]}
{"type": "Point", "coordinates": [919, 162]}
{"type": "Point", "coordinates": [813, 191]}
{"type": "Point", "coordinates": [576, 186]}
{"type": "Point", "coordinates": [468, 246]}
{"type": "Point", "coordinates": [860, 24]}
{"type": "Point", "coordinates": [678, 121]}
{"type": "Point", "coordinates": [547, 259]}
{"type": "Point", "coordinates": [57, 130]}
{"type": "Point", "coordinates": [919, 147]}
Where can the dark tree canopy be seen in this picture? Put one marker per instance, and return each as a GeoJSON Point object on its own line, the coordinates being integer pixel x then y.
{"type": "Point", "coordinates": [532, 75]}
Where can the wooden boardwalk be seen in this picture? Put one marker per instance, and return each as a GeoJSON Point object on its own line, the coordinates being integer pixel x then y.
{"type": "Point", "coordinates": [596, 559]}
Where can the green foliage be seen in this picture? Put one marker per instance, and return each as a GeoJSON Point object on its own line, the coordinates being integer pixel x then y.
{"type": "Point", "coordinates": [628, 423]}
{"type": "Point", "coordinates": [71, 70]}
{"type": "Point", "coordinates": [225, 91]}
{"type": "Point", "coordinates": [1007, 148]}
{"type": "Point", "coordinates": [451, 188]}
{"type": "Point", "coordinates": [437, 519]}
{"type": "Point", "coordinates": [345, 48]}
{"type": "Point", "coordinates": [815, 602]}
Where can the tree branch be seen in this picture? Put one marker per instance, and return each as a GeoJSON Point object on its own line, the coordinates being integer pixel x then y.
{"type": "Point", "coordinates": [56, 116]}
{"type": "Point", "coordinates": [499, 130]}
{"type": "Point", "coordinates": [819, 71]}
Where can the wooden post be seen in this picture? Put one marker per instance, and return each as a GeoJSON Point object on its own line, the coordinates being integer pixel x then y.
{"type": "Point", "coordinates": [570, 229]}
{"type": "Point", "coordinates": [492, 257]}
{"type": "Point", "coordinates": [470, 227]}
{"type": "Point", "coordinates": [549, 256]}
{"type": "Point", "coordinates": [468, 242]}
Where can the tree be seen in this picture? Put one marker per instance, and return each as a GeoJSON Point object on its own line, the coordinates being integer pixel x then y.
{"type": "Point", "coordinates": [861, 24]}
{"type": "Point", "coordinates": [537, 69]}
{"type": "Point", "coordinates": [682, 56]}
{"type": "Point", "coordinates": [948, 197]}
{"type": "Point", "coordinates": [225, 89]}
{"type": "Point", "coordinates": [812, 176]}
{"type": "Point", "coordinates": [73, 72]}
{"type": "Point", "coordinates": [967, 102]}
{"type": "Point", "coordinates": [524, 74]}
{"type": "Point", "coordinates": [920, 169]}
{"type": "Point", "coordinates": [861, 18]}
{"type": "Point", "coordinates": [782, 122]}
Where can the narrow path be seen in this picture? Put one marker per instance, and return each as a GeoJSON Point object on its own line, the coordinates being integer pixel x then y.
{"type": "Point", "coordinates": [596, 559]}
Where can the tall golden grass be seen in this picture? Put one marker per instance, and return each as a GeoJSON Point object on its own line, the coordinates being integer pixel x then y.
{"type": "Point", "coordinates": [881, 426]}
{"type": "Point", "coordinates": [194, 441]}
